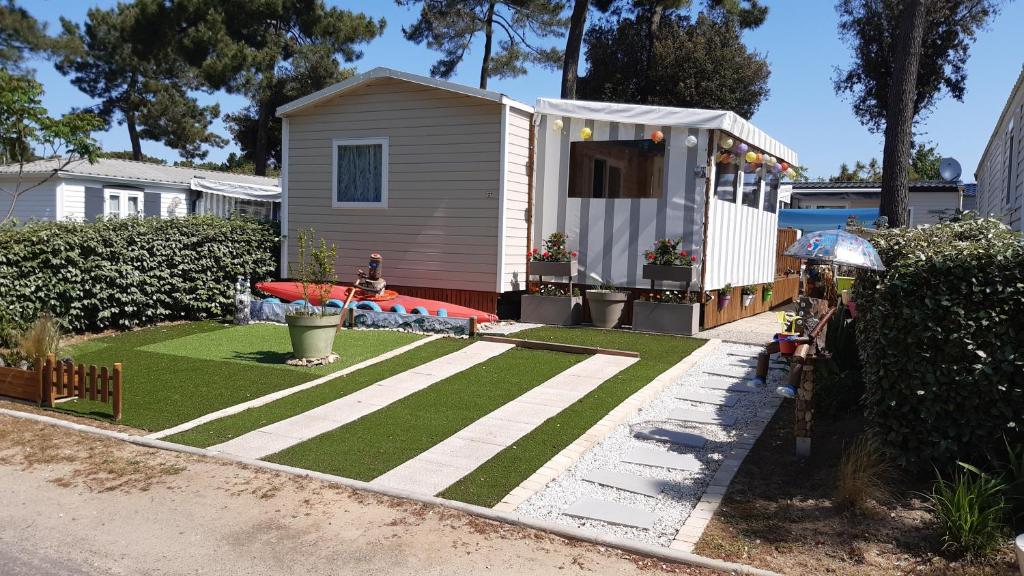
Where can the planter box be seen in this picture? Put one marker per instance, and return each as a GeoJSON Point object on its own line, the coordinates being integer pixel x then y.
{"type": "Point", "coordinates": [606, 307]}
{"type": "Point", "coordinates": [563, 269]}
{"type": "Point", "coordinates": [666, 318]}
{"type": "Point", "coordinates": [684, 274]}
{"type": "Point", "coordinates": [555, 310]}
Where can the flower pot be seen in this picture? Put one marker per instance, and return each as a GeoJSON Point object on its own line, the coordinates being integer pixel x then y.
{"type": "Point", "coordinates": [747, 299]}
{"type": "Point", "coordinates": [666, 318]}
{"type": "Point", "coordinates": [766, 295]}
{"type": "Point", "coordinates": [606, 307]}
{"type": "Point", "coordinates": [723, 300]}
{"type": "Point", "coordinates": [561, 269]}
{"type": "Point", "coordinates": [312, 336]}
{"type": "Point", "coordinates": [684, 274]}
{"type": "Point", "coordinates": [554, 310]}
{"type": "Point", "coordinates": [786, 346]}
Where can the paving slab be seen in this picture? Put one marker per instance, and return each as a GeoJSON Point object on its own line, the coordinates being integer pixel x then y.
{"type": "Point", "coordinates": [736, 360]}
{"type": "Point", "coordinates": [677, 437]}
{"type": "Point", "coordinates": [628, 482]}
{"type": "Point", "coordinates": [727, 384]}
{"type": "Point", "coordinates": [612, 513]}
{"type": "Point", "coordinates": [701, 417]}
{"type": "Point", "coordinates": [737, 370]}
{"type": "Point", "coordinates": [301, 427]}
{"type": "Point", "coordinates": [662, 459]}
{"type": "Point", "coordinates": [709, 397]}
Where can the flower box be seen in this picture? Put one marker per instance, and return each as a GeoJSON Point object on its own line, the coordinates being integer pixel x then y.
{"type": "Point", "coordinates": [684, 274]}
{"type": "Point", "coordinates": [562, 269]}
{"type": "Point", "coordinates": [666, 318]}
{"type": "Point", "coordinates": [554, 310]}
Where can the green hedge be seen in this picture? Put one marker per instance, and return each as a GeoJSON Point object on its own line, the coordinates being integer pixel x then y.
{"type": "Point", "coordinates": [941, 340]}
{"type": "Point", "coordinates": [123, 273]}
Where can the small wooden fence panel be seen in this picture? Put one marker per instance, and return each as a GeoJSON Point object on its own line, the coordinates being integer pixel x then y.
{"type": "Point", "coordinates": [53, 380]}
{"type": "Point", "coordinates": [785, 265]}
{"type": "Point", "coordinates": [21, 384]}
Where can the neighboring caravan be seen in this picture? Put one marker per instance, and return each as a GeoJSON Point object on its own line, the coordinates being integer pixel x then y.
{"type": "Point", "coordinates": [1000, 190]}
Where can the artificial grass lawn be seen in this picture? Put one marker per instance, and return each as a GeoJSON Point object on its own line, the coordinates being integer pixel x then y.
{"type": "Point", "coordinates": [224, 429]}
{"type": "Point", "coordinates": [489, 483]}
{"type": "Point", "coordinates": [212, 366]}
{"type": "Point", "coordinates": [380, 441]}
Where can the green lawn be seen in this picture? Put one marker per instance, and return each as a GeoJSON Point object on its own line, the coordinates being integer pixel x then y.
{"type": "Point", "coordinates": [225, 429]}
{"type": "Point", "coordinates": [489, 483]}
{"type": "Point", "coordinates": [380, 441]}
{"type": "Point", "coordinates": [175, 373]}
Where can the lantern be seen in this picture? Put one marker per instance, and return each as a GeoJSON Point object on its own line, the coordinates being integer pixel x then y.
{"type": "Point", "coordinates": [557, 125]}
{"type": "Point", "coordinates": [586, 133]}
{"type": "Point", "coordinates": [657, 136]}
{"type": "Point", "coordinates": [691, 141]}
{"type": "Point", "coordinates": [784, 167]}
{"type": "Point", "coordinates": [741, 148]}
{"type": "Point", "coordinates": [751, 157]}
{"type": "Point", "coordinates": [725, 142]}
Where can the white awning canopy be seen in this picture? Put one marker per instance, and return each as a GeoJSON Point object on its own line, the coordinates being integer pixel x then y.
{"type": "Point", "coordinates": [237, 189]}
{"type": "Point", "coordinates": [666, 116]}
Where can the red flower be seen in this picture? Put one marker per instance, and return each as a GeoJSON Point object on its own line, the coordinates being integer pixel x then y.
{"type": "Point", "coordinates": [573, 253]}
{"type": "Point", "coordinates": [682, 253]}
{"type": "Point", "coordinates": [693, 258]}
{"type": "Point", "coordinates": [546, 254]}
{"type": "Point", "coordinates": [650, 256]}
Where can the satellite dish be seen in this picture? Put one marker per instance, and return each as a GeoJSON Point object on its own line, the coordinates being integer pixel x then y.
{"type": "Point", "coordinates": [949, 169]}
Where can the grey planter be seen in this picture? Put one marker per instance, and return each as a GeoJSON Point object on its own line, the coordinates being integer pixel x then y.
{"type": "Point", "coordinates": [606, 307]}
{"type": "Point", "coordinates": [312, 336]}
{"type": "Point", "coordinates": [666, 318]}
{"type": "Point", "coordinates": [748, 299]}
{"type": "Point", "coordinates": [684, 274]}
{"type": "Point", "coordinates": [562, 269]}
{"type": "Point", "coordinates": [554, 310]}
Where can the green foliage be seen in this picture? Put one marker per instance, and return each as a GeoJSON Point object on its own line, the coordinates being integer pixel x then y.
{"type": "Point", "coordinates": [554, 249]}
{"type": "Point", "coordinates": [865, 474]}
{"type": "Point", "coordinates": [314, 268]}
{"type": "Point", "coordinates": [971, 510]}
{"type": "Point", "coordinates": [861, 172]}
{"type": "Point", "coordinates": [941, 343]}
{"type": "Point", "coordinates": [127, 155]}
{"type": "Point", "coordinates": [668, 252]}
{"type": "Point", "coordinates": [123, 273]}
{"type": "Point", "coordinates": [924, 164]}
{"type": "Point", "coordinates": [672, 297]}
{"type": "Point", "coordinates": [747, 290]}
{"type": "Point", "coordinates": [21, 35]}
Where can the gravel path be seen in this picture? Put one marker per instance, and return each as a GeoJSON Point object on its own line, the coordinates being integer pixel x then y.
{"type": "Point", "coordinates": [676, 502]}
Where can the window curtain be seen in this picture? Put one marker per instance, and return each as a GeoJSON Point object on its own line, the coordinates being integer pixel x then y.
{"type": "Point", "coordinates": [360, 168]}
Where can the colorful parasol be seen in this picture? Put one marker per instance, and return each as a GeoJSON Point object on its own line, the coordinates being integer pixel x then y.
{"type": "Point", "coordinates": [836, 247]}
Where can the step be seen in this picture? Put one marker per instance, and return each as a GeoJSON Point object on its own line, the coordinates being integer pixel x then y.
{"type": "Point", "coordinates": [676, 437]}
{"type": "Point", "coordinates": [628, 482]}
{"type": "Point", "coordinates": [662, 459]}
{"type": "Point", "coordinates": [709, 397]}
{"type": "Point", "coordinates": [701, 417]}
{"type": "Point", "coordinates": [612, 513]}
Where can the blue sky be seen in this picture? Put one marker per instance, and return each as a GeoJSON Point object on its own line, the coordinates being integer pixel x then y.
{"type": "Point", "coordinates": [799, 40]}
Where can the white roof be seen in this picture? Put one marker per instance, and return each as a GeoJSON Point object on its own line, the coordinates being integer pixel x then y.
{"type": "Point", "coordinates": [380, 72]}
{"type": "Point", "coordinates": [666, 116]}
{"type": "Point", "coordinates": [114, 169]}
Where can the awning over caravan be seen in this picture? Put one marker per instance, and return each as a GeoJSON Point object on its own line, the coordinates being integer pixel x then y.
{"type": "Point", "coordinates": [667, 116]}
{"type": "Point", "coordinates": [237, 190]}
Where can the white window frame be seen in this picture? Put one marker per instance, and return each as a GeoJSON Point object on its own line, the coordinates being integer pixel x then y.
{"type": "Point", "coordinates": [383, 142]}
{"type": "Point", "coordinates": [123, 194]}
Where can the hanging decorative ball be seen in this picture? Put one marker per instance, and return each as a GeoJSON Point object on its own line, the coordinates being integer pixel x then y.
{"type": "Point", "coordinates": [791, 173]}
{"type": "Point", "coordinates": [725, 142]}
{"type": "Point", "coordinates": [557, 125]}
{"type": "Point", "coordinates": [768, 160]}
{"type": "Point", "coordinates": [783, 166]}
{"type": "Point", "coordinates": [759, 159]}
{"type": "Point", "coordinates": [776, 168]}
{"type": "Point", "coordinates": [741, 148]}
{"type": "Point", "coordinates": [751, 157]}
{"type": "Point", "coordinates": [586, 133]}
{"type": "Point", "coordinates": [748, 168]}
{"type": "Point", "coordinates": [657, 136]}
{"type": "Point", "coordinates": [691, 141]}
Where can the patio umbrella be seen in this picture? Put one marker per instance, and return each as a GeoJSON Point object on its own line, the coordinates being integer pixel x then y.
{"type": "Point", "coordinates": [836, 247]}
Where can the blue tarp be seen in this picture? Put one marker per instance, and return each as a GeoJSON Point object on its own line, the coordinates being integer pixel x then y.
{"type": "Point", "coordinates": [815, 219]}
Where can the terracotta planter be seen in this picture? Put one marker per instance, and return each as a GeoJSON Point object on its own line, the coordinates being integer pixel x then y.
{"type": "Point", "coordinates": [786, 348]}
{"type": "Point", "coordinates": [666, 318]}
{"type": "Point", "coordinates": [561, 269]}
{"type": "Point", "coordinates": [554, 310]}
{"type": "Point", "coordinates": [312, 336]}
{"type": "Point", "coordinates": [684, 274]}
{"type": "Point", "coordinates": [606, 307]}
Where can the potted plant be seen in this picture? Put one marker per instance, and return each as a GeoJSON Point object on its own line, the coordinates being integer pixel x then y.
{"type": "Point", "coordinates": [669, 312]}
{"type": "Point", "coordinates": [747, 293]}
{"type": "Point", "coordinates": [766, 291]}
{"type": "Point", "coordinates": [667, 261]}
{"type": "Point", "coordinates": [724, 296]}
{"type": "Point", "coordinates": [551, 303]}
{"type": "Point", "coordinates": [606, 306]}
{"type": "Point", "coordinates": [310, 328]}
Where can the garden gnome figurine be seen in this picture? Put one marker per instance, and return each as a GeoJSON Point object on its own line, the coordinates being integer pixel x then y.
{"type": "Point", "coordinates": [371, 281]}
{"type": "Point", "coordinates": [243, 298]}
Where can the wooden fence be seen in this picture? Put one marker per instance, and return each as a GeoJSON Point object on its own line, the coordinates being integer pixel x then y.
{"type": "Point", "coordinates": [786, 289]}
{"type": "Point", "coordinates": [785, 265]}
{"type": "Point", "coordinates": [53, 380]}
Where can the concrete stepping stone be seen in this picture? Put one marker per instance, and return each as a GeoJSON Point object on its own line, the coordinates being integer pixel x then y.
{"type": "Point", "coordinates": [676, 437]}
{"type": "Point", "coordinates": [701, 417]}
{"type": "Point", "coordinates": [662, 459]}
{"type": "Point", "coordinates": [628, 482]}
{"type": "Point", "coordinates": [733, 360]}
{"type": "Point", "coordinates": [736, 370]}
{"type": "Point", "coordinates": [612, 513]}
{"type": "Point", "coordinates": [301, 427]}
{"type": "Point", "coordinates": [709, 397]}
{"type": "Point", "coordinates": [728, 384]}
{"type": "Point", "coordinates": [447, 462]}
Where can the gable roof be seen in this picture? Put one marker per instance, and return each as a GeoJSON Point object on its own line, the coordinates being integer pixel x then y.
{"type": "Point", "coordinates": [134, 171]}
{"type": "Point", "coordinates": [381, 72]}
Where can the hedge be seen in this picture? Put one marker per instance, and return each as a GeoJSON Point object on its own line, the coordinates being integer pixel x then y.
{"type": "Point", "coordinates": [941, 341]}
{"type": "Point", "coordinates": [123, 273]}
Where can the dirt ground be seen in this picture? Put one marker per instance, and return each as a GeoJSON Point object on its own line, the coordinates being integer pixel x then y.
{"type": "Point", "coordinates": [779, 515]}
{"type": "Point", "coordinates": [77, 504]}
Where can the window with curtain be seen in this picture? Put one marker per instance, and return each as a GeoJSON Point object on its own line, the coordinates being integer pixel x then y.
{"type": "Point", "coordinates": [616, 169]}
{"type": "Point", "coordinates": [360, 173]}
{"type": "Point", "coordinates": [725, 181]}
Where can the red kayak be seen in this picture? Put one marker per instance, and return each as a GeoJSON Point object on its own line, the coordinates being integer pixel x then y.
{"type": "Point", "coordinates": [291, 291]}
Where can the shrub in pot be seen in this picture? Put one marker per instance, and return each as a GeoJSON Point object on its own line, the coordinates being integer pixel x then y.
{"type": "Point", "coordinates": [312, 329]}
{"type": "Point", "coordinates": [669, 312]}
{"type": "Point", "coordinates": [724, 296]}
{"type": "Point", "coordinates": [607, 304]}
{"type": "Point", "coordinates": [553, 304]}
{"type": "Point", "coordinates": [767, 290]}
{"type": "Point", "coordinates": [747, 293]}
{"type": "Point", "coordinates": [667, 261]}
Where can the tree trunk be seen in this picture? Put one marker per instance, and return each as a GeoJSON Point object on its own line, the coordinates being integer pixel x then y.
{"type": "Point", "coordinates": [899, 115]}
{"type": "Point", "coordinates": [133, 135]}
{"type": "Point", "coordinates": [652, 40]}
{"type": "Point", "coordinates": [262, 135]}
{"type": "Point", "coordinates": [571, 63]}
{"type": "Point", "coordinates": [485, 66]}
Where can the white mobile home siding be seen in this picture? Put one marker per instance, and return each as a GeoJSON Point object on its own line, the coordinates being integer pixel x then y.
{"type": "Point", "coordinates": [441, 226]}
{"type": "Point", "coordinates": [999, 177]}
{"type": "Point", "coordinates": [517, 190]}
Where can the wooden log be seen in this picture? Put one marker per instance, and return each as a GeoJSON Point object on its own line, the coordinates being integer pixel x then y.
{"type": "Point", "coordinates": [802, 352]}
{"type": "Point", "coordinates": [48, 389]}
{"type": "Point", "coordinates": [117, 391]}
{"type": "Point", "coordinates": [762, 365]}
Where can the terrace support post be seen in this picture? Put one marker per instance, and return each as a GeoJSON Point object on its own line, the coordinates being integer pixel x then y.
{"type": "Point", "coordinates": [804, 421]}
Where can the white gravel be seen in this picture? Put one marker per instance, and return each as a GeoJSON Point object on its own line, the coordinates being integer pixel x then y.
{"type": "Point", "coordinates": [676, 502]}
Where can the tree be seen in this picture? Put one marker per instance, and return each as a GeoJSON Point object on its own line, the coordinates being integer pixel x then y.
{"type": "Point", "coordinates": [124, 58]}
{"type": "Point", "coordinates": [699, 63]}
{"type": "Point", "coordinates": [907, 54]}
{"type": "Point", "coordinates": [271, 52]}
{"type": "Point", "coordinates": [21, 35]}
{"type": "Point", "coordinates": [573, 43]}
{"type": "Point", "coordinates": [27, 128]}
{"type": "Point", "coordinates": [924, 163]}
{"type": "Point", "coordinates": [861, 172]}
{"type": "Point", "coordinates": [128, 155]}
{"type": "Point", "coordinates": [235, 163]}
{"type": "Point", "coordinates": [449, 26]}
